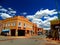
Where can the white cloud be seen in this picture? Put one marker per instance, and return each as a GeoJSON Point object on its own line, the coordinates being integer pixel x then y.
{"type": "Point", "coordinates": [55, 17]}
{"type": "Point", "coordinates": [36, 18]}
{"type": "Point", "coordinates": [46, 17]}
{"type": "Point", "coordinates": [47, 22]}
{"type": "Point", "coordinates": [3, 10]}
{"type": "Point", "coordinates": [10, 9]}
{"type": "Point", "coordinates": [30, 17]}
{"type": "Point", "coordinates": [0, 6]}
{"type": "Point", "coordinates": [50, 18]}
{"type": "Point", "coordinates": [46, 12]}
{"type": "Point", "coordinates": [6, 13]}
{"type": "Point", "coordinates": [23, 13]}
{"type": "Point", "coordinates": [12, 12]}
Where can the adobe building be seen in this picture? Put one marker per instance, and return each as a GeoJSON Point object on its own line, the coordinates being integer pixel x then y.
{"type": "Point", "coordinates": [55, 28]}
{"type": "Point", "coordinates": [1, 26]}
{"type": "Point", "coordinates": [40, 30]}
{"type": "Point", "coordinates": [35, 28]}
{"type": "Point", "coordinates": [18, 26]}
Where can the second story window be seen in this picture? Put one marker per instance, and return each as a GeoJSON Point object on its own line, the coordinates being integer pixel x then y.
{"type": "Point", "coordinates": [8, 24]}
{"type": "Point", "coordinates": [19, 24]}
{"type": "Point", "coordinates": [31, 26]}
{"type": "Point", "coordinates": [13, 24]}
{"type": "Point", "coordinates": [25, 25]}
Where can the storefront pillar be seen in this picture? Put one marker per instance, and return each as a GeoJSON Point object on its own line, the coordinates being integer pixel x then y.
{"type": "Point", "coordinates": [16, 33]}
{"type": "Point", "coordinates": [9, 33]}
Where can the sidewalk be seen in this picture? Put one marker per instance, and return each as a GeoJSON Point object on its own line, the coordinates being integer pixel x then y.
{"type": "Point", "coordinates": [53, 41]}
{"type": "Point", "coordinates": [5, 38]}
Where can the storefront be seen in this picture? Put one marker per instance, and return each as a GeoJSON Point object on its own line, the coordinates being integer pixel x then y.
{"type": "Point", "coordinates": [5, 32]}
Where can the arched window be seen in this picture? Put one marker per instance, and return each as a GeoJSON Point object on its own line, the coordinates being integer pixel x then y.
{"type": "Point", "coordinates": [19, 24]}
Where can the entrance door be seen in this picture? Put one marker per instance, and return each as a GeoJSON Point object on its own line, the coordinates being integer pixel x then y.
{"type": "Point", "coordinates": [21, 32]}
{"type": "Point", "coordinates": [13, 31]}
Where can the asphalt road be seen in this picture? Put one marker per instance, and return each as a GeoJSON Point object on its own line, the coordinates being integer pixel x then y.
{"type": "Point", "coordinates": [35, 40]}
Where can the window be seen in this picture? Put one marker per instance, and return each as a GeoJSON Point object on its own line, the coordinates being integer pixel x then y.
{"type": "Point", "coordinates": [8, 24]}
{"type": "Point", "coordinates": [19, 24]}
{"type": "Point", "coordinates": [31, 26]}
{"type": "Point", "coordinates": [25, 25]}
{"type": "Point", "coordinates": [4, 25]}
{"type": "Point", "coordinates": [13, 24]}
{"type": "Point", "coordinates": [27, 31]}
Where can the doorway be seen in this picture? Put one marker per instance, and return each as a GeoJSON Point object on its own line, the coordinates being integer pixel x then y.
{"type": "Point", "coordinates": [13, 31]}
{"type": "Point", "coordinates": [21, 32]}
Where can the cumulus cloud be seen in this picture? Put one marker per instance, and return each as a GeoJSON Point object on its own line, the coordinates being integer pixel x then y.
{"type": "Point", "coordinates": [11, 12]}
{"type": "Point", "coordinates": [46, 17]}
{"type": "Point", "coordinates": [50, 18]}
{"type": "Point", "coordinates": [36, 18]}
{"type": "Point", "coordinates": [37, 21]}
{"type": "Point", "coordinates": [23, 13]}
{"type": "Point", "coordinates": [10, 9]}
{"type": "Point", "coordinates": [6, 13]}
{"type": "Point", "coordinates": [3, 10]}
{"type": "Point", "coordinates": [47, 22]}
{"type": "Point", "coordinates": [46, 12]}
{"type": "Point", "coordinates": [30, 17]}
{"type": "Point", "coordinates": [0, 6]}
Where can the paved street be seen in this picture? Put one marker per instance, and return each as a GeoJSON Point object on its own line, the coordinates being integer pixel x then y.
{"type": "Point", "coordinates": [35, 40]}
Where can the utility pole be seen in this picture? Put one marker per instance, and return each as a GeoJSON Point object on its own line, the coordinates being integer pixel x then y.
{"type": "Point", "coordinates": [57, 9]}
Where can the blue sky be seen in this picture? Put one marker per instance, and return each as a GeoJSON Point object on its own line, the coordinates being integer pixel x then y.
{"type": "Point", "coordinates": [38, 11]}
{"type": "Point", "coordinates": [29, 6]}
